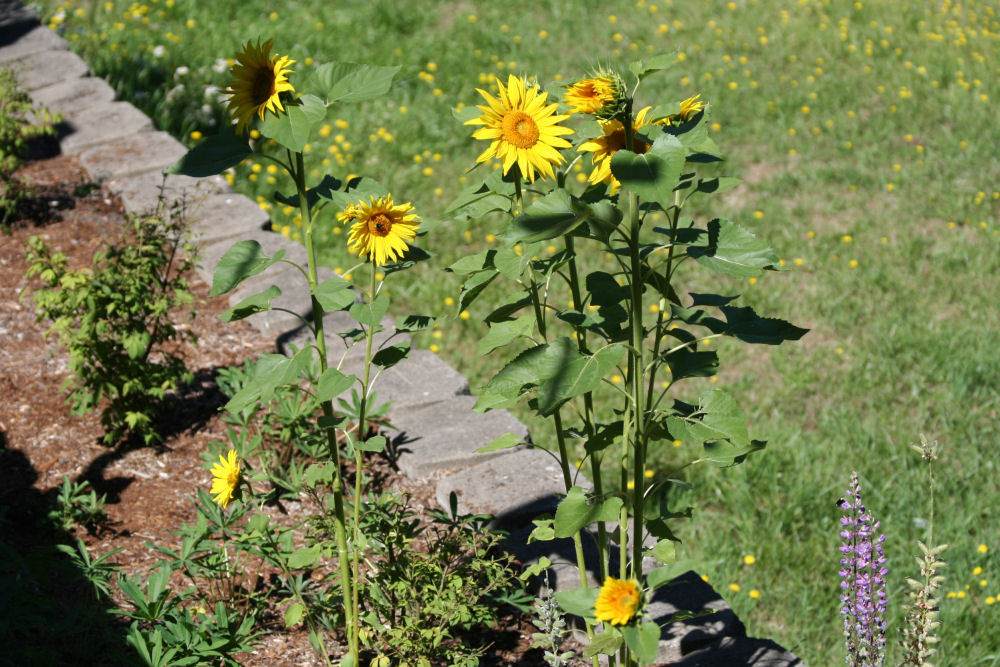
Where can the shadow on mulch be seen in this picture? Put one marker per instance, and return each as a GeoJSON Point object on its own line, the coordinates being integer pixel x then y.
{"type": "Point", "coordinates": [48, 612]}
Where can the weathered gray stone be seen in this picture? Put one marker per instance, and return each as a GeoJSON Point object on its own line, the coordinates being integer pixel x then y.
{"type": "Point", "coordinates": [740, 652]}
{"type": "Point", "coordinates": [514, 488]}
{"type": "Point", "coordinates": [74, 95]}
{"type": "Point", "coordinates": [102, 123]}
{"type": "Point", "coordinates": [141, 194]}
{"type": "Point", "coordinates": [419, 379]}
{"type": "Point", "coordinates": [135, 154]}
{"type": "Point", "coordinates": [38, 38]}
{"type": "Point", "coordinates": [227, 216]}
{"type": "Point", "coordinates": [445, 436]}
{"type": "Point", "coordinates": [270, 244]}
{"type": "Point", "coordinates": [45, 68]}
{"type": "Point", "coordinates": [15, 20]}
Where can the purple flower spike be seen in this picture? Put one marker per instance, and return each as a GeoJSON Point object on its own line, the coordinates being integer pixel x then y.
{"type": "Point", "coordinates": [862, 583]}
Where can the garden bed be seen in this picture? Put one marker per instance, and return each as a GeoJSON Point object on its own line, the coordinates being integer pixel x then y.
{"type": "Point", "coordinates": [148, 489]}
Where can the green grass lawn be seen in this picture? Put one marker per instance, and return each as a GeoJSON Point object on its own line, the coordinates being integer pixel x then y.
{"type": "Point", "coordinates": [866, 135]}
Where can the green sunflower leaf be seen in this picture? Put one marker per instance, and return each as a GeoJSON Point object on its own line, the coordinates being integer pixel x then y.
{"type": "Point", "coordinates": [242, 260]}
{"type": "Point", "coordinates": [370, 313]}
{"type": "Point", "coordinates": [293, 128]}
{"type": "Point", "coordinates": [575, 512]}
{"type": "Point", "coordinates": [643, 640]}
{"type": "Point", "coordinates": [504, 333]}
{"type": "Point", "coordinates": [353, 82]}
{"type": "Point", "coordinates": [335, 293]}
{"type": "Point", "coordinates": [654, 174]}
{"type": "Point", "coordinates": [213, 156]}
{"type": "Point", "coordinates": [578, 377]}
{"type": "Point", "coordinates": [578, 601]}
{"type": "Point", "coordinates": [257, 303]}
{"type": "Point", "coordinates": [657, 63]}
{"type": "Point", "coordinates": [554, 215]}
{"type": "Point", "coordinates": [733, 251]}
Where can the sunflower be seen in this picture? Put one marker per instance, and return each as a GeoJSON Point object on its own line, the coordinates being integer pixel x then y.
{"type": "Point", "coordinates": [590, 95]}
{"type": "Point", "coordinates": [258, 81]}
{"type": "Point", "coordinates": [523, 131]}
{"type": "Point", "coordinates": [381, 229]}
{"type": "Point", "coordinates": [689, 108]}
{"type": "Point", "coordinates": [613, 140]}
{"type": "Point", "coordinates": [225, 478]}
{"type": "Point", "coordinates": [618, 601]}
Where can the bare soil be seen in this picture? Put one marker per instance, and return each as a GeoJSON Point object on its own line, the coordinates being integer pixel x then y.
{"type": "Point", "coordinates": [48, 614]}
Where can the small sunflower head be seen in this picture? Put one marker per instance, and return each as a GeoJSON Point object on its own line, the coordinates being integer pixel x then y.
{"type": "Point", "coordinates": [380, 229]}
{"type": "Point", "coordinates": [226, 477]}
{"type": "Point", "coordinates": [618, 601]}
{"type": "Point", "coordinates": [618, 101]}
{"type": "Point", "coordinates": [690, 108]}
{"type": "Point", "coordinates": [258, 82]}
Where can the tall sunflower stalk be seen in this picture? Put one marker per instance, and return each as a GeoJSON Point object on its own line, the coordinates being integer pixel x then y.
{"type": "Point", "coordinates": [262, 94]}
{"type": "Point", "coordinates": [586, 320]}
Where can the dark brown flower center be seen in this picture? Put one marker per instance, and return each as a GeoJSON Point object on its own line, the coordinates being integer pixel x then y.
{"type": "Point", "coordinates": [379, 224]}
{"type": "Point", "coordinates": [263, 85]}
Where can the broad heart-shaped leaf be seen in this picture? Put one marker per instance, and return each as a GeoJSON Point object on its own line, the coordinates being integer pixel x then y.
{"type": "Point", "coordinates": [335, 293]}
{"type": "Point", "coordinates": [474, 286]}
{"type": "Point", "coordinates": [654, 174]}
{"type": "Point", "coordinates": [257, 303]}
{"type": "Point", "coordinates": [553, 215]}
{"type": "Point", "coordinates": [578, 377]}
{"type": "Point", "coordinates": [746, 325]}
{"type": "Point", "coordinates": [532, 367]}
{"type": "Point", "coordinates": [391, 355]}
{"type": "Point", "coordinates": [604, 289]}
{"type": "Point", "coordinates": [578, 601]}
{"type": "Point", "coordinates": [505, 441]}
{"type": "Point", "coordinates": [293, 614]}
{"type": "Point", "coordinates": [305, 557]}
{"type": "Point", "coordinates": [353, 82]}
{"type": "Point", "coordinates": [370, 313]}
{"type": "Point", "coordinates": [605, 643]}
{"type": "Point", "coordinates": [242, 260]}
{"type": "Point", "coordinates": [502, 333]}
{"type": "Point", "coordinates": [375, 444]}
{"type": "Point", "coordinates": [720, 425]}
{"type": "Point", "coordinates": [213, 156]}
{"type": "Point", "coordinates": [292, 128]}
{"type": "Point", "coordinates": [332, 383]}
{"type": "Point", "coordinates": [492, 194]}
{"type": "Point", "coordinates": [684, 363]}
{"type": "Point", "coordinates": [657, 63]}
{"type": "Point", "coordinates": [271, 371]}
{"type": "Point", "coordinates": [574, 512]}
{"type": "Point", "coordinates": [643, 640]}
{"type": "Point", "coordinates": [322, 189]}
{"type": "Point", "coordinates": [733, 250]}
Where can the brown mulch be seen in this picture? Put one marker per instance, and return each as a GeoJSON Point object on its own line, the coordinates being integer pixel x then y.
{"type": "Point", "coordinates": [148, 489]}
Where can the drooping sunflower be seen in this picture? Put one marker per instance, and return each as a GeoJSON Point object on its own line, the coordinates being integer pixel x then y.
{"type": "Point", "coordinates": [522, 130]}
{"type": "Point", "coordinates": [225, 478]}
{"type": "Point", "coordinates": [381, 228]}
{"type": "Point", "coordinates": [612, 141]}
{"type": "Point", "coordinates": [618, 601]}
{"type": "Point", "coordinates": [257, 84]}
{"type": "Point", "coordinates": [689, 108]}
{"type": "Point", "coordinates": [590, 95]}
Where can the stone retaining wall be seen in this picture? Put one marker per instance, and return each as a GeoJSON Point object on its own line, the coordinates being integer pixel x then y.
{"type": "Point", "coordinates": [431, 404]}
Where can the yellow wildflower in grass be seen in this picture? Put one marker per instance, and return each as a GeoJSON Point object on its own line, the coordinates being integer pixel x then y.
{"type": "Point", "coordinates": [618, 601]}
{"type": "Point", "coordinates": [381, 229]}
{"type": "Point", "coordinates": [257, 84]}
{"type": "Point", "coordinates": [225, 478]}
{"type": "Point", "coordinates": [522, 130]}
{"type": "Point", "coordinates": [590, 95]}
{"type": "Point", "coordinates": [613, 140]}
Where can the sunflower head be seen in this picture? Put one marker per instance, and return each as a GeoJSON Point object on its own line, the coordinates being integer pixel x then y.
{"type": "Point", "coordinates": [610, 142]}
{"type": "Point", "coordinates": [257, 84]}
{"type": "Point", "coordinates": [380, 228]}
{"type": "Point", "coordinates": [590, 95]}
{"type": "Point", "coordinates": [618, 601]}
{"type": "Point", "coordinates": [521, 128]}
{"type": "Point", "coordinates": [226, 478]}
{"type": "Point", "coordinates": [689, 109]}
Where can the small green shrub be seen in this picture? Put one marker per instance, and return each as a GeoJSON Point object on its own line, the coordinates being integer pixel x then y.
{"type": "Point", "coordinates": [15, 131]}
{"type": "Point", "coordinates": [74, 506]}
{"type": "Point", "coordinates": [115, 320]}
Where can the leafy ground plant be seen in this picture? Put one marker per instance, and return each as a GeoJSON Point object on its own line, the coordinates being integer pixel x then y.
{"type": "Point", "coordinates": [116, 319]}
{"type": "Point", "coordinates": [75, 506]}
{"type": "Point", "coordinates": [16, 130]}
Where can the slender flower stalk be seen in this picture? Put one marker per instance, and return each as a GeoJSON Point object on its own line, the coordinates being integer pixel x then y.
{"type": "Point", "coordinates": [863, 575]}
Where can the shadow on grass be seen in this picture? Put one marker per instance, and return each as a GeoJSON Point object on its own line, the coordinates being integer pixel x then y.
{"type": "Point", "coordinates": [48, 612]}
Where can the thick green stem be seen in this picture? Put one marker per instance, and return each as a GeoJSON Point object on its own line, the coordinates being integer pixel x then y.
{"type": "Point", "coordinates": [340, 518]}
{"type": "Point", "coordinates": [581, 563]}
